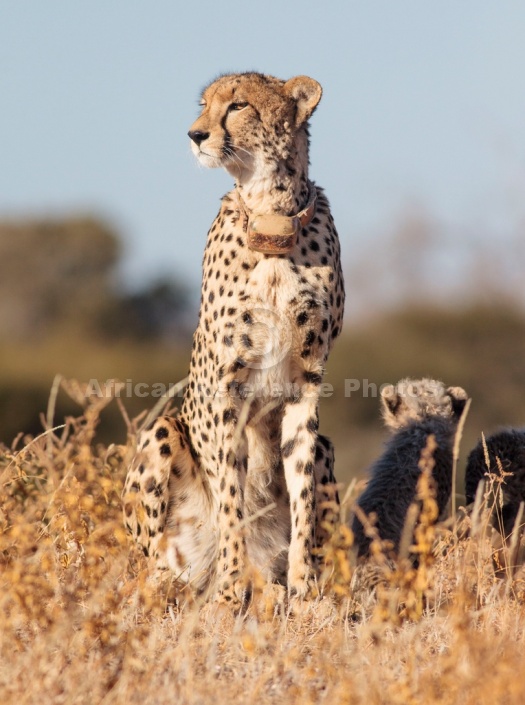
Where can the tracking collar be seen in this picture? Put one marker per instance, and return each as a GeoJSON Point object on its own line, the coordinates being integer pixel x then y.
{"type": "Point", "coordinates": [276, 234]}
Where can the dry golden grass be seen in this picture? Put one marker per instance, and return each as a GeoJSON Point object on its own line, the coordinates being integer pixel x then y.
{"type": "Point", "coordinates": [81, 623]}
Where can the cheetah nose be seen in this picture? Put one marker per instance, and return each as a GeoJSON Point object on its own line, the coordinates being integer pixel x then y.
{"type": "Point", "coordinates": [198, 136]}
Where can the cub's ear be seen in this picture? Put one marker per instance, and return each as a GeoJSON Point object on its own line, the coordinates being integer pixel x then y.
{"type": "Point", "coordinates": [307, 93]}
{"type": "Point", "coordinates": [459, 398]}
{"type": "Point", "coordinates": [390, 400]}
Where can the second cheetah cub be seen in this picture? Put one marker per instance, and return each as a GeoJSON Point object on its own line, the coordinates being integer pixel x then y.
{"type": "Point", "coordinates": [503, 455]}
{"type": "Point", "coordinates": [413, 410]}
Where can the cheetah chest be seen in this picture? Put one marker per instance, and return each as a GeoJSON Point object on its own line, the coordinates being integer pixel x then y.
{"type": "Point", "coordinates": [281, 314]}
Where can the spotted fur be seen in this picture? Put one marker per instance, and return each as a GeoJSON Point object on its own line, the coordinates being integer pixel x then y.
{"type": "Point", "coordinates": [233, 480]}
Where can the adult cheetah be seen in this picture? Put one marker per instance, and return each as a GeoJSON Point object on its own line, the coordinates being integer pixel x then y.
{"type": "Point", "coordinates": [233, 480]}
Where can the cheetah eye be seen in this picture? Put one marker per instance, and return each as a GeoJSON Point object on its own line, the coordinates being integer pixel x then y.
{"type": "Point", "coordinates": [236, 106]}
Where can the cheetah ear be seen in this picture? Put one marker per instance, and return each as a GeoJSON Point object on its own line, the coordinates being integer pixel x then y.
{"type": "Point", "coordinates": [307, 93]}
{"type": "Point", "coordinates": [390, 400]}
{"type": "Point", "coordinates": [459, 398]}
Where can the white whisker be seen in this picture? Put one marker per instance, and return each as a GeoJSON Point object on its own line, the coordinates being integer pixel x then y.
{"type": "Point", "coordinates": [231, 154]}
{"type": "Point", "coordinates": [244, 150]}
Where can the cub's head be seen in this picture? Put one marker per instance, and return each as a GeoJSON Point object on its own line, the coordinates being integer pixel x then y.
{"type": "Point", "coordinates": [417, 399]}
{"type": "Point", "coordinates": [248, 119]}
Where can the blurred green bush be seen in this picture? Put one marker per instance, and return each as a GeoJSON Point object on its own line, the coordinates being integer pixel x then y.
{"type": "Point", "coordinates": [61, 311]}
{"type": "Point", "coordinates": [480, 349]}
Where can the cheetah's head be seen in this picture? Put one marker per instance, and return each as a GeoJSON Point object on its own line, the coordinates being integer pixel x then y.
{"type": "Point", "coordinates": [249, 120]}
{"type": "Point", "coordinates": [416, 399]}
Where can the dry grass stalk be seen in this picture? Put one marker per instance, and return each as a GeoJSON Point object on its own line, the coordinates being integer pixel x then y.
{"type": "Point", "coordinates": [82, 623]}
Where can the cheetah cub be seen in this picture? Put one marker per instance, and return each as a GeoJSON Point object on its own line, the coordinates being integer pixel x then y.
{"type": "Point", "coordinates": [413, 410]}
{"type": "Point", "coordinates": [239, 478]}
{"type": "Point", "coordinates": [505, 452]}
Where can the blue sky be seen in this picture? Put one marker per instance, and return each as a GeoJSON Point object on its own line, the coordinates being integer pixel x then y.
{"type": "Point", "coordinates": [424, 102]}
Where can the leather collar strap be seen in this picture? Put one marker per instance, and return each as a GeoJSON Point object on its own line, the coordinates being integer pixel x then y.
{"type": "Point", "coordinates": [276, 234]}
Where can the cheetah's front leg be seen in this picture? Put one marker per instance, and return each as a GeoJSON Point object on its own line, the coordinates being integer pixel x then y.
{"type": "Point", "coordinates": [326, 495]}
{"type": "Point", "coordinates": [233, 466]}
{"type": "Point", "coordinates": [298, 450]}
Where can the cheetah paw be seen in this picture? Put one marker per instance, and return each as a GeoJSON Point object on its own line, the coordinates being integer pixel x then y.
{"type": "Point", "coordinates": [236, 596]}
{"type": "Point", "coordinates": [269, 602]}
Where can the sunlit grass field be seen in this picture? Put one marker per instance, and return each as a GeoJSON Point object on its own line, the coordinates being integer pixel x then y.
{"type": "Point", "coordinates": [81, 622]}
